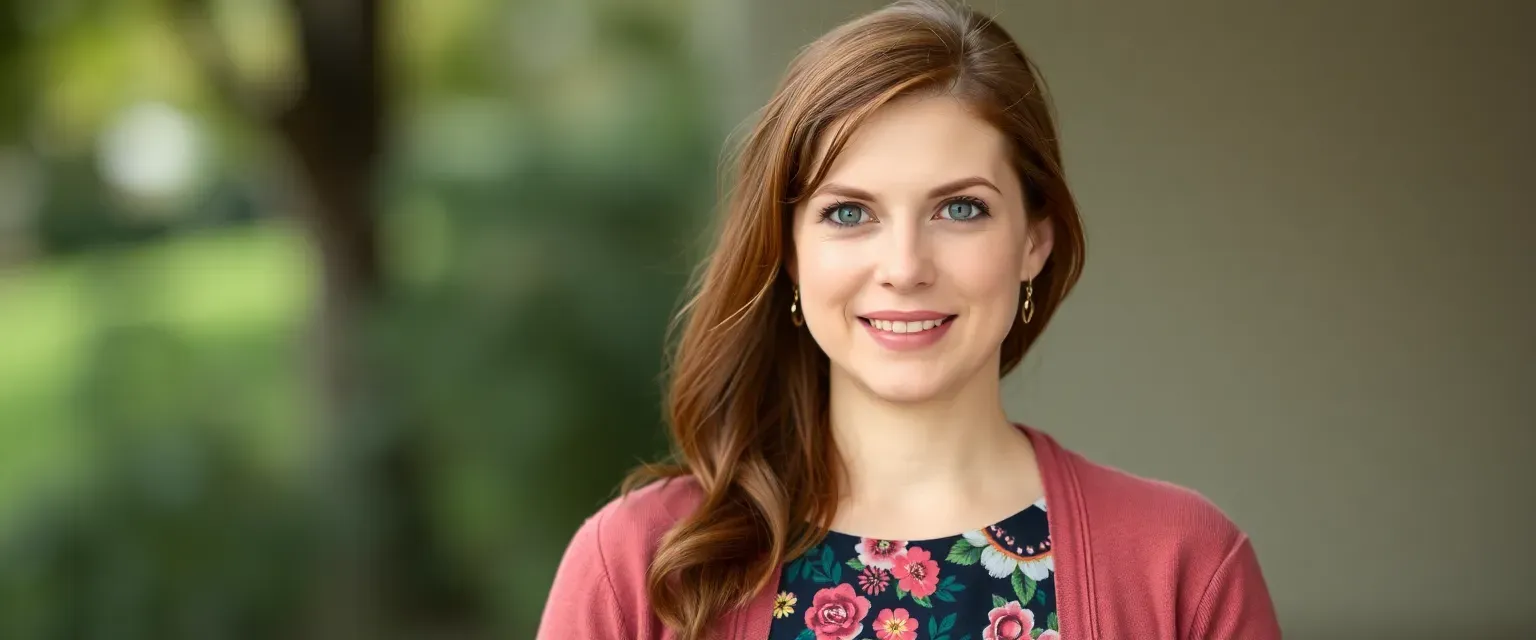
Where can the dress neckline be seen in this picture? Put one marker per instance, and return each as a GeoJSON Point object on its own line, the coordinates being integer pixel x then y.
{"type": "Point", "coordinates": [1039, 505]}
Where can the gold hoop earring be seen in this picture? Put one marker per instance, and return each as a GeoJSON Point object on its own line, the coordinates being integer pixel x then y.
{"type": "Point", "coordinates": [1028, 312]}
{"type": "Point", "coordinates": [794, 307]}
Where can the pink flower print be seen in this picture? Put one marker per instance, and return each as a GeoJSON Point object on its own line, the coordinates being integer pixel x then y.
{"type": "Point", "coordinates": [837, 613]}
{"type": "Point", "coordinates": [917, 571]}
{"type": "Point", "coordinates": [1009, 622]}
{"type": "Point", "coordinates": [895, 625]}
{"type": "Point", "coordinates": [873, 580]}
{"type": "Point", "coordinates": [1049, 635]}
{"type": "Point", "coordinates": [879, 553]}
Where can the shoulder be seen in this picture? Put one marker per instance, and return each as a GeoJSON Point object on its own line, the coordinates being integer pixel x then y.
{"type": "Point", "coordinates": [1159, 546]}
{"type": "Point", "coordinates": [1152, 510]}
{"type": "Point", "coordinates": [600, 587]}
{"type": "Point", "coordinates": [647, 513]}
{"type": "Point", "coordinates": [626, 531]}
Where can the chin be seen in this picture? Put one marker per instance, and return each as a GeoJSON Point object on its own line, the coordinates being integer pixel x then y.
{"type": "Point", "coordinates": [905, 384]}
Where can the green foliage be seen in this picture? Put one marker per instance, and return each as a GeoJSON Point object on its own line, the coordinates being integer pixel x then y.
{"type": "Point", "coordinates": [538, 239]}
{"type": "Point", "coordinates": [168, 528]}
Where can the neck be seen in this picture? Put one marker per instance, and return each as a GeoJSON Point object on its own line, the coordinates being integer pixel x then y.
{"type": "Point", "coordinates": [940, 453]}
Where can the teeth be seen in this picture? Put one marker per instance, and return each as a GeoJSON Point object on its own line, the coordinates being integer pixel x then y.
{"type": "Point", "coordinates": [905, 327]}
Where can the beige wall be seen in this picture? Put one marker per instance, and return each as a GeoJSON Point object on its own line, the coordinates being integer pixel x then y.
{"type": "Point", "coordinates": [1311, 283]}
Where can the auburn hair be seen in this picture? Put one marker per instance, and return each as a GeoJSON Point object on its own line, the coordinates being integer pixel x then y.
{"type": "Point", "coordinates": [747, 395]}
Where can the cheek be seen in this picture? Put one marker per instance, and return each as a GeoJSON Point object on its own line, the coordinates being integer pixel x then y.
{"type": "Point", "coordinates": [826, 257]}
{"type": "Point", "coordinates": [983, 269]}
{"type": "Point", "coordinates": [831, 274]}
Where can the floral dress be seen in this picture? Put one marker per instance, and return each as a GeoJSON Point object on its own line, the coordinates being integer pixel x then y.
{"type": "Point", "coordinates": [996, 583]}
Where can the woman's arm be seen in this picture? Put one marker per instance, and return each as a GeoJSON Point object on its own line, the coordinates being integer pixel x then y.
{"type": "Point", "coordinates": [583, 603]}
{"type": "Point", "coordinates": [1236, 604]}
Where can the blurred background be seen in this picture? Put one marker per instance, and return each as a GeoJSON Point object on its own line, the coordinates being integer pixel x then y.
{"type": "Point", "coordinates": [334, 319]}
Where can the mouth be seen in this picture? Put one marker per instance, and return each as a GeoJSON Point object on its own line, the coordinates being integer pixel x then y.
{"type": "Point", "coordinates": [908, 326]}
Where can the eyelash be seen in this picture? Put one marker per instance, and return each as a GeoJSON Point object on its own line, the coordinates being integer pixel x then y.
{"type": "Point", "coordinates": [982, 210]}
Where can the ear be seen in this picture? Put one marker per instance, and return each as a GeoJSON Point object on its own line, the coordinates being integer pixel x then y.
{"type": "Point", "coordinates": [1037, 248]}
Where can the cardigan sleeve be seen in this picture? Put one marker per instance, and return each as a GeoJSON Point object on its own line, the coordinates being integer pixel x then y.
{"type": "Point", "coordinates": [583, 604]}
{"type": "Point", "coordinates": [1236, 604]}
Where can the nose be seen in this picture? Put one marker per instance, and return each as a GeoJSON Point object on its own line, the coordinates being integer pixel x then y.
{"type": "Point", "coordinates": [905, 261]}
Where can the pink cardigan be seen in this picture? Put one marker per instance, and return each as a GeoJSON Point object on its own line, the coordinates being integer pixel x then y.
{"type": "Point", "coordinates": [1135, 558]}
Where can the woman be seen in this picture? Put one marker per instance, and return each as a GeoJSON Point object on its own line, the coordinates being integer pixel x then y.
{"type": "Point", "coordinates": [899, 234]}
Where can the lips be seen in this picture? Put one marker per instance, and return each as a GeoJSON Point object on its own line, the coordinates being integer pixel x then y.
{"type": "Point", "coordinates": [906, 316]}
{"type": "Point", "coordinates": [907, 331]}
{"type": "Point", "coordinates": [927, 322]}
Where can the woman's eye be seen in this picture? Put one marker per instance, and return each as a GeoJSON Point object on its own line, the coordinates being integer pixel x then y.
{"type": "Point", "coordinates": [846, 215]}
{"type": "Point", "coordinates": [961, 210]}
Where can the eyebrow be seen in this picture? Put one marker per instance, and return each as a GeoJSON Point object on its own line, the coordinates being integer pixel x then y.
{"type": "Point", "coordinates": [945, 189]}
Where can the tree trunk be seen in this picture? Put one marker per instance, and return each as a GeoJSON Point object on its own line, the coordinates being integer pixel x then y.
{"type": "Point", "coordinates": [333, 126]}
{"type": "Point", "coordinates": [334, 130]}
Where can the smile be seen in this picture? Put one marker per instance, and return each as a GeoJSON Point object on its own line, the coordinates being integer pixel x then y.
{"type": "Point", "coordinates": [897, 326]}
{"type": "Point", "coordinates": [900, 331]}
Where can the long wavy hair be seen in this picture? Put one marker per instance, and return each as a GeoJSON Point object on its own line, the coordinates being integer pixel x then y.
{"type": "Point", "coordinates": [748, 389]}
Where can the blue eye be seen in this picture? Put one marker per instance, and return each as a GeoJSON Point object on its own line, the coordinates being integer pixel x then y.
{"type": "Point", "coordinates": [964, 210]}
{"type": "Point", "coordinates": [845, 214]}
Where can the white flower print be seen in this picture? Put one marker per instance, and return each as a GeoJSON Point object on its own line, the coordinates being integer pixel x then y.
{"type": "Point", "coordinates": [1001, 554]}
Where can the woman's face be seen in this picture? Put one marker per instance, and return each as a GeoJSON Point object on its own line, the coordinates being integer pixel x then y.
{"type": "Point", "coordinates": [910, 253]}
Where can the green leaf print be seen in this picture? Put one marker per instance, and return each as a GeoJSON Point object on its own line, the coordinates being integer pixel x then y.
{"type": "Point", "coordinates": [1052, 623]}
{"type": "Point", "coordinates": [806, 634]}
{"type": "Point", "coordinates": [947, 624]}
{"type": "Point", "coordinates": [806, 564]}
{"type": "Point", "coordinates": [1023, 586]}
{"type": "Point", "coordinates": [815, 571]}
{"type": "Point", "coordinates": [853, 563]}
{"type": "Point", "coordinates": [947, 589]}
{"type": "Point", "coordinates": [963, 552]}
{"type": "Point", "coordinates": [933, 626]}
{"type": "Point", "coordinates": [998, 601]}
{"type": "Point", "coordinates": [820, 568]}
{"type": "Point", "coordinates": [1040, 597]}
{"type": "Point", "coordinates": [900, 592]}
{"type": "Point", "coordinates": [1035, 633]}
{"type": "Point", "coordinates": [966, 637]}
{"type": "Point", "coordinates": [923, 601]}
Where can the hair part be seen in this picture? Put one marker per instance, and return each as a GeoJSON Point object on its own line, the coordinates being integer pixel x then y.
{"type": "Point", "coordinates": [748, 395]}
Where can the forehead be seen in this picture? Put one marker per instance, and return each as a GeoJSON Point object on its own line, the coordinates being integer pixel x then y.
{"type": "Point", "coordinates": [920, 141]}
